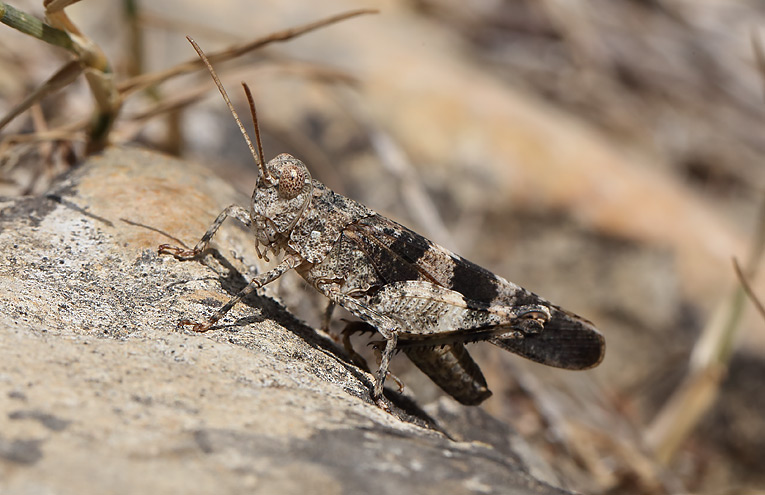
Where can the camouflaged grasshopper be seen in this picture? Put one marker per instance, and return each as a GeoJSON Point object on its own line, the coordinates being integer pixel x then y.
{"type": "Point", "coordinates": [422, 298]}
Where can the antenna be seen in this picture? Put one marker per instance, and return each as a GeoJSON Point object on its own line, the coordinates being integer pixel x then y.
{"type": "Point", "coordinates": [254, 114]}
{"type": "Point", "coordinates": [255, 155]}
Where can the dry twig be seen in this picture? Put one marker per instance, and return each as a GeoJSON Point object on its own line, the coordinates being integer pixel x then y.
{"type": "Point", "coordinates": [233, 51]}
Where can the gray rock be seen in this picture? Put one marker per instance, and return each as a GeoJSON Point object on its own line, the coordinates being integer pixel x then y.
{"type": "Point", "coordinates": [102, 394]}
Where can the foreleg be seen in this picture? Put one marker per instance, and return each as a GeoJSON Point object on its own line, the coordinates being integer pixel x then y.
{"type": "Point", "coordinates": [288, 263]}
{"type": "Point", "coordinates": [235, 211]}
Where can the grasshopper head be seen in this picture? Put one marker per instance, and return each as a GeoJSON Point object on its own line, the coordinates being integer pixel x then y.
{"type": "Point", "coordinates": [279, 201]}
{"type": "Point", "coordinates": [284, 187]}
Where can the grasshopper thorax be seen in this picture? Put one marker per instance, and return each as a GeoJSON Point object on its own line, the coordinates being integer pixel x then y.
{"type": "Point", "coordinates": [279, 201]}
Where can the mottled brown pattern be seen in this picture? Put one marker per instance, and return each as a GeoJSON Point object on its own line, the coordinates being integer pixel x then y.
{"type": "Point", "coordinates": [419, 296]}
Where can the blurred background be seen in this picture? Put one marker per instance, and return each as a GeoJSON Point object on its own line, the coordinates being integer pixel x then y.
{"type": "Point", "coordinates": [607, 155]}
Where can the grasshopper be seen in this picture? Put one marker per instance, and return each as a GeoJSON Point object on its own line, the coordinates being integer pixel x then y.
{"type": "Point", "coordinates": [422, 298]}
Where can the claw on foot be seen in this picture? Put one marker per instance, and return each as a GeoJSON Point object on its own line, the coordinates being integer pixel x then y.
{"type": "Point", "coordinates": [179, 252]}
{"type": "Point", "coordinates": [398, 381]}
{"type": "Point", "coordinates": [195, 327]}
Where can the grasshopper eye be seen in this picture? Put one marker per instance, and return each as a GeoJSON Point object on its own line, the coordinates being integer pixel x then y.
{"type": "Point", "coordinates": [291, 181]}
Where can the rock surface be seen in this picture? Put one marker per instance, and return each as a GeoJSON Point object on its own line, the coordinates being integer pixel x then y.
{"type": "Point", "coordinates": [101, 393]}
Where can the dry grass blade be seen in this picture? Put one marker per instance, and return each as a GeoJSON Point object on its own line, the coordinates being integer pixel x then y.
{"type": "Point", "coordinates": [168, 105]}
{"type": "Point", "coordinates": [61, 31]}
{"type": "Point", "coordinates": [748, 288]}
{"type": "Point", "coordinates": [140, 82]}
{"type": "Point", "coordinates": [66, 133]}
{"type": "Point", "coordinates": [683, 410]}
{"type": "Point", "coordinates": [60, 79]}
{"type": "Point", "coordinates": [758, 246]}
{"type": "Point", "coordinates": [298, 68]}
{"type": "Point", "coordinates": [58, 5]}
{"type": "Point", "coordinates": [708, 364]}
{"type": "Point", "coordinates": [35, 28]}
